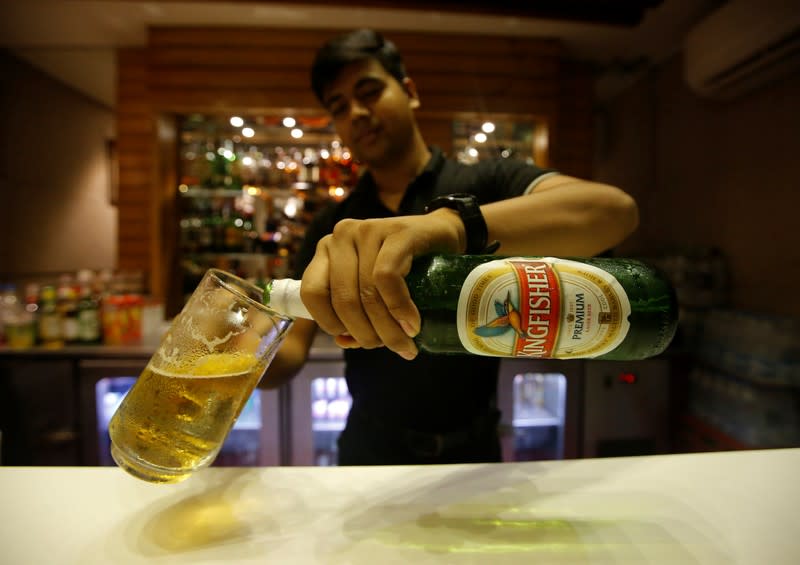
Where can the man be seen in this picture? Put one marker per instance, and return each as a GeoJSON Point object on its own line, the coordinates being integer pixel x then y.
{"type": "Point", "coordinates": [412, 407]}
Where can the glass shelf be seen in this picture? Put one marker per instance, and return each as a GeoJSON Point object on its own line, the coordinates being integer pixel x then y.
{"type": "Point", "coordinates": [323, 426]}
{"type": "Point", "coordinates": [537, 417]}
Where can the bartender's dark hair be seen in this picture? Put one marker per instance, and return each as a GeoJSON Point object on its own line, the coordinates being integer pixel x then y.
{"type": "Point", "coordinates": [349, 48]}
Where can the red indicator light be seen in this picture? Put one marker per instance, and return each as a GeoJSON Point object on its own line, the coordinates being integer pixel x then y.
{"type": "Point", "coordinates": [627, 378]}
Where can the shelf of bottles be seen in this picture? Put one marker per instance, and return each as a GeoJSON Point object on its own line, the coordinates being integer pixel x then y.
{"type": "Point", "coordinates": [496, 137]}
{"type": "Point", "coordinates": [83, 308]}
{"type": "Point", "coordinates": [249, 187]}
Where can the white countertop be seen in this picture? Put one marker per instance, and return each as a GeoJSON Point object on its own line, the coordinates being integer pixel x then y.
{"type": "Point", "coordinates": [737, 507]}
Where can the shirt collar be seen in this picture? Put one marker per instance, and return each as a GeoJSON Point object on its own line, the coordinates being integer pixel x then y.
{"type": "Point", "coordinates": [435, 163]}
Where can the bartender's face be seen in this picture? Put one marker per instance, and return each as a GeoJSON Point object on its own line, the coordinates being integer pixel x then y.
{"type": "Point", "coordinates": [372, 112]}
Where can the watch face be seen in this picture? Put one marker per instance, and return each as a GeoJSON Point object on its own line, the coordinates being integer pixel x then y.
{"type": "Point", "coordinates": [455, 201]}
{"type": "Point", "coordinates": [464, 198]}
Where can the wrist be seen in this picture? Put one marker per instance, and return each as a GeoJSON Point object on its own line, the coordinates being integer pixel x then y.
{"type": "Point", "coordinates": [475, 233]}
{"type": "Point", "coordinates": [456, 233]}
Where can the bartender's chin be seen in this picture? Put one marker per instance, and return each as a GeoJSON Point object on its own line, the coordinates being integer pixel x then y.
{"type": "Point", "coordinates": [372, 155]}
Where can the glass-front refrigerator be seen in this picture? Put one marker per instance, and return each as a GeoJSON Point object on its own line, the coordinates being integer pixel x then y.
{"type": "Point", "coordinates": [318, 407]}
{"type": "Point", "coordinates": [535, 398]}
{"type": "Point", "coordinates": [564, 409]}
{"type": "Point", "coordinates": [330, 405]}
{"type": "Point", "coordinates": [538, 416]}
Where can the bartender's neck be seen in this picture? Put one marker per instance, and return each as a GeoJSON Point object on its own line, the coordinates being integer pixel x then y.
{"type": "Point", "coordinates": [393, 179]}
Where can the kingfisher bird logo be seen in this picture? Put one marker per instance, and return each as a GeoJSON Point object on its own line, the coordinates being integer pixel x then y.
{"type": "Point", "coordinates": [508, 319]}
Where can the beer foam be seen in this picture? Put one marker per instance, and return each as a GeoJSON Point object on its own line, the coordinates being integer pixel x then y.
{"type": "Point", "coordinates": [199, 329]}
{"type": "Point", "coordinates": [214, 365]}
{"type": "Point", "coordinates": [230, 362]}
{"type": "Point", "coordinates": [173, 375]}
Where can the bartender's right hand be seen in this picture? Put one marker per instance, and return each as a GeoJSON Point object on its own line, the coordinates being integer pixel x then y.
{"type": "Point", "coordinates": [355, 285]}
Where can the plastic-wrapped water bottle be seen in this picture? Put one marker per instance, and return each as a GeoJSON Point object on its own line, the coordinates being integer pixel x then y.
{"type": "Point", "coordinates": [7, 299]}
{"type": "Point", "coordinates": [17, 328]}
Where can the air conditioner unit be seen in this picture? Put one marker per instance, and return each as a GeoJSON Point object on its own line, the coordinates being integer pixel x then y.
{"type": "Point", "coordinates": [743, 45]}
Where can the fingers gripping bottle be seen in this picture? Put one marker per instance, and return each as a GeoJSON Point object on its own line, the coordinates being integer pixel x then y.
{"type": "Point", "coordinates": [537, 307]}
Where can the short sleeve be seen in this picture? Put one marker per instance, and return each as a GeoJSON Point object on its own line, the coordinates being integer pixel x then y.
{"type": "Point", "coordinates": [499, 179]}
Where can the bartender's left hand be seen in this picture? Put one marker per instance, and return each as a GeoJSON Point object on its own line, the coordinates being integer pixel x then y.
{"type": "Point", "coordinates": [354, 286]}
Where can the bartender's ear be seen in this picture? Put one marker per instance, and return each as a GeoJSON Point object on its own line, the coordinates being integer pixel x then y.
{"type": "Point", "coordinates": [411, 90]}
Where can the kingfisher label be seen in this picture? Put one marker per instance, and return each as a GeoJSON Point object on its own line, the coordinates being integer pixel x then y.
{"type": "Point", "coordinates": [541, 308]}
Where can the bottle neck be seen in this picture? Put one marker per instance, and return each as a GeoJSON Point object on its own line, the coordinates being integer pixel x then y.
{"type": "Point", "coordinates": [283, 295]}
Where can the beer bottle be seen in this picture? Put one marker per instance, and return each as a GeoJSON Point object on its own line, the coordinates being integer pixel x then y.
{"type": "Point", "coordinates": [534, 307]}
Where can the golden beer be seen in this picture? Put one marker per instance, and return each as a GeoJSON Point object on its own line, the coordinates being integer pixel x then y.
{"type": "Point", "coordinates": [173, 423]}
{"type": "Point", "coordinates": [177, 415]}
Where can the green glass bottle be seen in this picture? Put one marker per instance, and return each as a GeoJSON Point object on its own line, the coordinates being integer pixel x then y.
{"type": "Point", "coordinates": [537, 307]}
{"type": "Point", "coordinates": [49, 318]}
{"type": "Point", "coordinates": [88, 317]}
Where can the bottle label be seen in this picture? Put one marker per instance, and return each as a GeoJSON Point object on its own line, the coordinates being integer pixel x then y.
{"type": "Point", "coordinates": [542, 308]}
{"type": "Point", "coordinates": [49, 327]}
{"type": "Point", "coordinates": [88, 325]}
{"type": "Point", "coordinates": [69, 327]}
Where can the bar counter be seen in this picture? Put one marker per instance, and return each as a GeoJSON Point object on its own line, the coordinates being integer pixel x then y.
{"type": "Point", "coordinates": [728, 507]}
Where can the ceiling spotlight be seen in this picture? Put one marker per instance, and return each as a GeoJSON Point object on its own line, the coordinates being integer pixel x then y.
{"type": "Point", "coordinates": [248, 132]}
{"type": "Point", "coordinates": [487, 127]}
{"type": "Point", "coordinates": [289, 122]}
{"type": "Point", "coordinates": [237, 122]}
{"type": "Point", "coordinates": [297, 133]}
{"type": "Point", "coordinates": [480, 137]}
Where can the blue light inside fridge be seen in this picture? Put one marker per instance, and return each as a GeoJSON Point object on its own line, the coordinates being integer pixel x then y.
{"type": "Point", "coordinates": [538, 416]}
{"type": "Point", "coordinates": [330, 405]}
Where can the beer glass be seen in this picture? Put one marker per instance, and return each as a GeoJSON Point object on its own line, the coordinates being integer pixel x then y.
{"type": "Point", "coordinates": [178, 413]}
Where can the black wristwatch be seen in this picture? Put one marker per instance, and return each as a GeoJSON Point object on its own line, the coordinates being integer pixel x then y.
{"type": "Point", "coordinates": [474, 225]}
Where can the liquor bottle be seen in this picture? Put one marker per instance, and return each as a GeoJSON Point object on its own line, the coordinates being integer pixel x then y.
{"type": "Point", "coordinates": [49, 321]}
{"type": "Point", "coordinates": [32, 301]}
{"type": "Point", "coordinates": [533, 307]}
{"type": "Point", "coordinates": [67, 305]}
{"type": "Point", "coordinates": [88, 310]}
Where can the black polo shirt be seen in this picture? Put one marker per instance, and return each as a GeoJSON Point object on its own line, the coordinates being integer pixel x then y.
{"type": "Point", "coordinates": [432, 393]}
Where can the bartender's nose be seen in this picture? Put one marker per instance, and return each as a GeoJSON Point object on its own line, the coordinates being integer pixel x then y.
{"type": "Point", "coordinates": [358, 110]}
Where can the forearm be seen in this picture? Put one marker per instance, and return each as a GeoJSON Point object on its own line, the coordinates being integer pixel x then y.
{"type": "Point", "coordinates": [291, 355]}
{"type": "Point", "coordinates": [573, 218]}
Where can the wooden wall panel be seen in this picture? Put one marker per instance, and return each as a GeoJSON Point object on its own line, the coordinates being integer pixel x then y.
{"type": "Point", "coordinates": [299, 39]}
{"type": "Point", "coordinates": [437, 130]}
{"type": "Point", "coordinates": [135, 143]}
{"type": "Point", "coordinates": [211, 99]}
{"type": "Point", "coordinates": [572, 137]}
{"type": "Point", "coordinates": [217, 69]}
{"type": "Point", "coordinates": [538, 82]}
{"type": "Point", "coordinates": [210, 56]}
